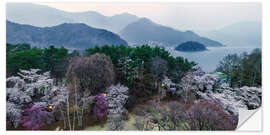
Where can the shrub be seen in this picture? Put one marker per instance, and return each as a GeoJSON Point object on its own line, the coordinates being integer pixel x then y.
{"type": "Point", "coordinates": [35, 118]}
{"type": "Point", "coordinates": [115, 122]}
{"type": "Point", "coordinates": [207, 115]}
{"type": "Point", "coordinates": [169, 116]}
{"type": "Point", "coordinates": [100, 108]}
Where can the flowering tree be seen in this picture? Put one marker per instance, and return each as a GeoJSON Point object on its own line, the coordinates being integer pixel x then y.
{"type": "Point", "coordinates": [32, 87]}
{"type": "Point", "coordinates": [187, 86]}
{"type": "Point", "coordinates": [209, 87]}
{"type": "Point", "coordinates": [116, 98]}
{"type": "Point", "coordinates": [59, 103]}
{"type": "Point", "coordinates": [36, 85]}
{"type": "Point", "coordinates": [251, 96]}
{"type": "Point", "coordinates": [207, 82]}
{"type": "Point", "coordinates": [14, 114]}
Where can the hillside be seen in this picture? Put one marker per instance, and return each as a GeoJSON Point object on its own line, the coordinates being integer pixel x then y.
{"type": "Point", "coordinates": [77, 35]}
{"type": "Point", "coordinates": [144, 30]}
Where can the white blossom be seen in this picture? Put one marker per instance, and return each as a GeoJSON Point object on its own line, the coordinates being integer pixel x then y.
{"type": "Point", "coordinates": [18, 97]}
{"type": "Point", "coordinates": [35, 88]}
{"type": "Point", "coordinates": [14, 113]}
{"type": "Point", "coordinates": [116, 98]}
{"type": "Point", "coordinates": [209, 86]}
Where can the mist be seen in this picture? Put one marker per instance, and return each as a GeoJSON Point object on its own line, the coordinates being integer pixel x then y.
{"type": "Point", "coordinates": [182, 16]}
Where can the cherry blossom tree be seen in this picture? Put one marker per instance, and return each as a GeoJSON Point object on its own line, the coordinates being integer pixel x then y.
{"type": "Point", "coordinates": [116, 98]}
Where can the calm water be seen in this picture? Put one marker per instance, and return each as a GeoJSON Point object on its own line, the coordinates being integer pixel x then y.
{"type": "Point", "coordinates": [208, 60]}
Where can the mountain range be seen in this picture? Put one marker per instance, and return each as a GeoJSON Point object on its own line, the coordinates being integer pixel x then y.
{"type": "Point", "coordinates": [131, 28]}
{"type": "Point", "coordinates": [69, 35]}
{"type": "Point", "coordinates": [44, 16]}
{"type": "Point", "coordinates": [144, 30]}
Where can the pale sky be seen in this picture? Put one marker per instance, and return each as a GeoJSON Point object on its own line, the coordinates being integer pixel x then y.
{"type": "Point", "coordinates": [183, 16]}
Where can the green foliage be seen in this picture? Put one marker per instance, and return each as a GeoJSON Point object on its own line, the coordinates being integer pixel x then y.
{"type": "Point", "coordinates": [242, 70]}
{"type": "Point", "coordinates": [140, 57]}
{"type": "Point", "coordinates": [115, 52]}
{"type": "Point", "coordinates": [51, 56]}
{"type": "Point", "coordinates": [191, 46]}
{"type": "Point", "coordinates": [22, 56]}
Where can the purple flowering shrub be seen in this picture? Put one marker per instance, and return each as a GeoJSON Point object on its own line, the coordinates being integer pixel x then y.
{"type": "Point", "coordinates": [100, 107]}
{"type": "Point", "coordinates": [35, 117]}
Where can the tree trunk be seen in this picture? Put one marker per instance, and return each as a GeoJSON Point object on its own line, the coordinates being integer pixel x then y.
{"type": "Point", "coordinates": [254, 79]}
{"type": "Point", "coordinates": [63, 116]}
{"type": "Point", "coordinates": [69, 124]}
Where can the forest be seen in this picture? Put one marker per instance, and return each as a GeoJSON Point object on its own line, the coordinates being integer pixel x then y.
{"type": "Point", "coordinates": [126, 88]}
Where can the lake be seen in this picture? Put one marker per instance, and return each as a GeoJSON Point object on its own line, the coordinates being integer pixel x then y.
{"type": "Point", "coordinates": [208, 60]}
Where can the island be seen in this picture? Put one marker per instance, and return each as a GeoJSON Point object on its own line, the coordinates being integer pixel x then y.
{"type": "Point", "coordinates": [191, 46]}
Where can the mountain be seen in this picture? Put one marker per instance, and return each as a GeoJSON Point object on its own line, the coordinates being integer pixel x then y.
{"type": "Point", "coordinates": [144, 30]}
{"type": "Point", "coordinates": [69, 35]}
{"type": "Point", "coordinates": [36, 15]}
{"type": "Point", "coordinates": [113, 23]}
{"type": "Point", "coordinates": [190, 46]}
{"type": "Point", "coordinates": [247, 33]}
{"type": "Point", "coordinates": [44, 16]}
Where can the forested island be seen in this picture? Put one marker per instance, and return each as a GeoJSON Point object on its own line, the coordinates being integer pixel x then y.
{"type": "Point", "coordinates": [191, 46]}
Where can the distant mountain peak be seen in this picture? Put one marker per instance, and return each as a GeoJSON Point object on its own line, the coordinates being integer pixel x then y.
{"type": "Point", "coordinates": [145, 21]}
{"type": "Point", "coordinates": [73, 24]}
{"type": "Point", "coordinates": [125, 14]}
{"type": "Point", "coordinates": [189, 31]}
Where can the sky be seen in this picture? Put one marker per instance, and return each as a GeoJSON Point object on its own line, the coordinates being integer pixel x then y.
{"type": "Point", "coordinates": [182, 16]}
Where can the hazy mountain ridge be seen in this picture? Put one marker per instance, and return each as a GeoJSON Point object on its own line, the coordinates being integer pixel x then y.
{"type": "Point", "coordinates": [131, 28]}
{"type": "Point", "coordinates": [36, 15]}
{"type": "Point", "coordinates": [248, 33]}
{"type": "Point", "coordinates": [44, 16]}
{"type": "Point", "coordinates": [75, 35]}
{"type": "Point", "coordinates": [145, 30]}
